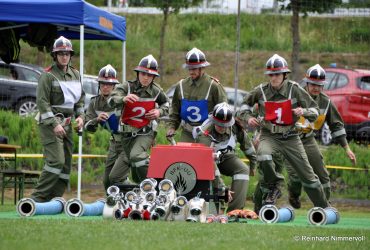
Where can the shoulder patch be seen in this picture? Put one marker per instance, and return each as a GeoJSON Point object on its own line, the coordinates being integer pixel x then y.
{"type": "Point", "coordinates": [324, 96]}
{"type": "Point", "coordinates": [264, 85]}
{"type": "Point", "coordinates": [48, 69]}
{"type": "Point", "coordinates": [157, 85]}
{"type": "Point", "coordinates": [215, 79]}
{"type": "Point", "coordinates": [293, 82]}
{"type": "Point", "coordinates": [75, 70]}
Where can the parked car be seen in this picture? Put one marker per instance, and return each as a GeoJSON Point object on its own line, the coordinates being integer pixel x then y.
{"type": "Point", "coordinates": [230, 92]}
{"type": "Point", "coordinates": [349, 90]}
{"type": "Point", "coordinates": [18, 83]}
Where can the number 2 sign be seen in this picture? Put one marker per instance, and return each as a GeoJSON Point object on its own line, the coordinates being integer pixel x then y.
{"type": "Point", "coordinates": [134, 113]}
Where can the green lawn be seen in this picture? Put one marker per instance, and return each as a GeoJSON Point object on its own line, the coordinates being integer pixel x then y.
{"type": "Point", "coordinates": [61, 232]}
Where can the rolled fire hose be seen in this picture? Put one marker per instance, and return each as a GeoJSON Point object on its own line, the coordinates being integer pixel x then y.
{"type": "Point", "coordinates": [271, 214]}
{"type": "Point", "coordinates": [322, 216]}
{"type": "Point", "coordinates": [28, 207]}
{"type": "Point", "coordinates": [76, 208]}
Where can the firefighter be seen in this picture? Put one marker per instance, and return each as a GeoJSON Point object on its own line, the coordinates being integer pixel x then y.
{"type": "Point", "coordinates": [194, 98]}
{"type": "Point", "coordinates": [225, 134]}
{"type": "Point", "coordinates": [99, 112]}
{"type": "Point", "coordinates": [280, 104]}
{"type": "Point", "coordinates": [59, 98]}
{"type": "Point", "coordinates": [315, 80]}
{"type": "Point", "coordinates": [143, 103]}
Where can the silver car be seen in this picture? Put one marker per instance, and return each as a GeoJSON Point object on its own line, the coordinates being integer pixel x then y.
{"type": "Point", "coordinates": [18, 83]}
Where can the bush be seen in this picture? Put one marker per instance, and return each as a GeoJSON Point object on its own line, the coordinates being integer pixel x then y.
{"type": "Point", "coordinates": [192, 30]}
{"type": "Point", "coordinates": [360, 34]}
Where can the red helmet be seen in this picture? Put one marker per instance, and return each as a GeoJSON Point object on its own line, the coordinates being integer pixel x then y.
{"type": "Point", "coordinates": [148, 65]}
{"type": "Point", "coordinates": [315, 75]}
{"type": "Point", "coordinates": [276, 65]}
{"type": "Point", "coordinates": [62, 44]}
{"type": "Point", "coordinates": [108, 74]}
{"type": "Point", "coordinates": [222, 115]}
{"type": "Point", "coordinates": [194, 59]}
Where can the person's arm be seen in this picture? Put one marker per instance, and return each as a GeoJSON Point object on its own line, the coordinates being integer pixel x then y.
{"type": "Point", "coordinates": [118, 94]}
{"type": "Point", "coordinates": [247, 148]}
{"type": "Point", "coordinates": [164, 104]}
{"type": "Point", "coordinates": [307, 107]}
{"type": "Point", "coordinates": [174, 112]}
{"type": "Point", "coordinates": [218, 93]}
{"type": "Point", "coordinates": [79, 109]}
{"type": "Point", "coordinates": [246, 113]}
{"type": "Point", "coordinates": [338, 132]}
{"type": "Point", "coordinates": [91, 118]}
{"type": "Point", "coordinates": [43, 100]}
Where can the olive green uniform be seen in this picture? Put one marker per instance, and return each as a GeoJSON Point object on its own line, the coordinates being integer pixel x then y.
{"type": "Point", "coordinates": [195, 90]}
{"type": "Point", "coordinates": [137, 141]}
{"type": "Point", "coordinates": [54, 103]}
{"type": "Point", "coordinates": [276, 139]}
{"type": "Point", "coordinates": [204, 87]}
{"type": "Point", "coordinates": [231, 165]}
{"type": "Point", "coordinates": [330, 115]}
{"type": "Point", "coordinates": [115, 170]}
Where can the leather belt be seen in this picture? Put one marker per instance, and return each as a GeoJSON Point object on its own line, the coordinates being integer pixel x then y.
{"type": "Point", "coordinates": [277, 129]}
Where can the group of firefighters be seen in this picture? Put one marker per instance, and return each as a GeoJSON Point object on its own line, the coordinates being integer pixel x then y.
{"type": "Point", "coordinates": [284, 115]}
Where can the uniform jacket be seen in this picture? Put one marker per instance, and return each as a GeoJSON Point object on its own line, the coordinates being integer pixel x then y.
{"type": "Point", "coordinates": [242, 137]}
{"type": "Point", "coordinates": [196, 90]}
{"type": "Point", "coordinates": [300, 98]}
{"type": "Point", "coordinates": [332, 118]}
{"type": "Point", "coordinates": [49, 94]}
{"type": "Point", "coordinates": [97, 105]}
{"type": "Point", "coordinates": [116, 98]}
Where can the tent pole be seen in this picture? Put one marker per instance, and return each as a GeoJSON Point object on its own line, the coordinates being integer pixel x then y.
{"type": "Point", "coordinates": [237, 59]}
{"type": "Point", "coordinates": [82, 31]}
{"type": "Point", "coordinates": [123, 61]}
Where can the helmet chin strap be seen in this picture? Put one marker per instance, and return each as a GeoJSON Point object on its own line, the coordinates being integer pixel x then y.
{"type": "Point", "coordinates": [284, 77]}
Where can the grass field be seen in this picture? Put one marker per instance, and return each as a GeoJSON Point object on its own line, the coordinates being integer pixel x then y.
{"type": "Point", "coordinates": [61, 232]}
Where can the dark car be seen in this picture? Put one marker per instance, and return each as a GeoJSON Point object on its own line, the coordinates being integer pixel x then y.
{"type": "Point", "coordinates": [349, 90]}
{"type": "Point", "coordinates": [18, 83]}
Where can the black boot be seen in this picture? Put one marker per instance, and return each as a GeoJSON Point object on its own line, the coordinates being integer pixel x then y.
{"type": "Point", "coordinates": [272, 195]}
{"type": "Point", "coordinates": [294, 201]}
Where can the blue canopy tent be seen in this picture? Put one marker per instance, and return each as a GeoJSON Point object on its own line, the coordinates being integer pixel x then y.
{"type": "Point", "coordinates": [74, 19]}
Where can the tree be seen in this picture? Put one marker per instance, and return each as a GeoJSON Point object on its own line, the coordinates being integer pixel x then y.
{"type": "Point", "coordinates": [169, 7]}
{"type": "Point", "coordinates": [304, 6]}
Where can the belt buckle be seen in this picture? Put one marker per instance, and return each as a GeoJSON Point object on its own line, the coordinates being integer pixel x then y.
{"type": "Point", "coordinates": [285, 135]}
{"type": "Point", "coordinates": [134, 134]}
